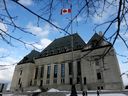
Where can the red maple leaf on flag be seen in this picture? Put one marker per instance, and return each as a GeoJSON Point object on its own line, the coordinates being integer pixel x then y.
{"type": "Point", "coordinates": [65, 11]}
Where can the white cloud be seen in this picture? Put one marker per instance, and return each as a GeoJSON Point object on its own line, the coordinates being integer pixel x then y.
{"type": "Point", "coordinates": [43, 43]}
{"type": "Point", "coordinates": [104, 15]}
{"type": "Point", "coordinates": [3, 50]}
{"type": "Point", "coordinates": [100, 18]}
{"type": "Point", "coordinates": [39, 31]}
{"type": "Point", "coordinates": [6, 72]}
{"type": "Point", "coordinates": [79, 19]}
{"type": "Point", "coordinates": [25, 2]}
{"type": "Point", "coordinates": [3, 27]}
{"type": "Point", "coordinates": [42, 33]}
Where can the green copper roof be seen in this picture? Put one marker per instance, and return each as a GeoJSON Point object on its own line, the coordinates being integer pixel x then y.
{"type": "Point", "coordinates": [63, 45]}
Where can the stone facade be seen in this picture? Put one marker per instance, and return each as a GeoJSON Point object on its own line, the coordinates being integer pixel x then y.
{"type": "Point", "coordinates": [91, 66]}
{"type": "Point", "coordinates": [3, 87]}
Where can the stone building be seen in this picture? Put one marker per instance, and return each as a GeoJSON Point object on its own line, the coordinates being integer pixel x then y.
{"type": "Point", "coordinates": [91, 66]}
{"type": "Point", "coordinates": [3, 87]}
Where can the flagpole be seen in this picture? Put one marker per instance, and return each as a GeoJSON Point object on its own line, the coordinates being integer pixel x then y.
{"type": "Point", "coordinates": [73, 89]}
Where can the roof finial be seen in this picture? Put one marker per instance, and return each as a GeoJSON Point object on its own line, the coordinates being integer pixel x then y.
{"type": "Point", "coordinates": [100, 33]}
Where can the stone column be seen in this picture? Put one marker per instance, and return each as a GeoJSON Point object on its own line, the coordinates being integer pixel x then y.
{"type": "Point", "coordinates": [66, 73]}
{"type": "Point", "coordinates": [59, 74]}
{"type": "Point", "coordinates": [45, 75]}
{"type": "Point", "coordinates": [38, 76]}
{"type": "Point", "coordinates": [51, 73]}
{"type": "Point", "coordinates": [75, 72]}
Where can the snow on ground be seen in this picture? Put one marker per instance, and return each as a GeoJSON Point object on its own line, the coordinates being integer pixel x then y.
{"type": "Point", "coordinates": [53, 90]}
{"type": "Point", "coordinates": [7, 94]}
{"type": "Point", "coordinates": [12, 95]}
{"type": "Point", "coordinates": [114, 94]}
{"type": "Point", "coordinates": [37, 90]}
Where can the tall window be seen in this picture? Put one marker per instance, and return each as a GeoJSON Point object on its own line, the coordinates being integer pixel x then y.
{"type": "Point", "coordinates": [70, 68]}
{"type": "Point", "coordinates": [20, 72]}
{"type": "Point", "coordinates": [19, 81]}
{"type": "Point", "coordinates": [41, 82]}
{"type": "Point", "coordinates": [78, 80]}
{"type": "Point", "coordinates": [48, 71]}
{"type": "Point", "coordinates": [62, 73]}
{"type": "Point", "coordinates": [55, 71]}
{"type": "Point", "coordinates": [36, 72]}
{"type": "Point", "coordinates": [85, 81]}
{"type": "Point", "coordinates": [42, 71]}
{"type": "Point", "coordinates": [78, 68]}
{"type": "Point", "coordinates": [62, 70]}
{"type": "Point", "coordinates": [97, 62]}
{"type": "Point", "coordinates": [98, 75]}
{"type": "Point", "coordinates": [71, 81]}
{"type": "Point", "coordinates": [31, 83]}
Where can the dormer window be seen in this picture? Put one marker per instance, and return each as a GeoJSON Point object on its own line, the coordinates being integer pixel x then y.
{"type": "Point", "coordinates": [95, 43]}
{"type": "Point", "coordinates": [58, 51]}
{"type": "Point", "coordinates": [46, 53]}
{"type": "Point", "coordinates": [25, 58]}
{"type": "Point", "coordinates": [52, 52]}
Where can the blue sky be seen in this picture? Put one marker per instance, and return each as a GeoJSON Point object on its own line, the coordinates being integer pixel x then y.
{"type": "Point", "coordinates": [45, 34]}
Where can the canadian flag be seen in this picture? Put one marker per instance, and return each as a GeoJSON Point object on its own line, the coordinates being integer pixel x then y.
{"type": "Point", "coordinates": [65, 11]}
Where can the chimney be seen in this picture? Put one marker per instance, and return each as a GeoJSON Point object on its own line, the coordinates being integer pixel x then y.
{"type": "Point", "coordinates": [100, 33]}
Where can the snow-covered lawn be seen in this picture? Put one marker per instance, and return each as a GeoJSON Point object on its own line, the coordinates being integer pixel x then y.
{"type": "Point", "coordinates": [114, 94]}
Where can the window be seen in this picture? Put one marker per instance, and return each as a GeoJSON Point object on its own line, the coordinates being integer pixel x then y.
{"type": "Point", "coordinates": [95, 43]}
{"type": "Point", "coordinates": [55, 80]}
{"type": "Point", "coordinates": [48, 81]}
{"type": "Point", "coordinates": [19, 81]}
{"type": "Point", "coordinates": [36, 72]}
{"type": "Point", "coordinates": [62, 80]}
{"type": "Point", "coordinates": [97, 62]}
{"type": "Point", "coordinates": [71, 81]}
{"type": "Point", "coordinates": [48, 71]}
{"type": "Point", "coordinates": [55, 71]}
{"type": "Point", "coordinates": [20, 85]}
{"type": "Point", "coordinates": [98, 75]}
{"type": "Point", "coordinates": [62, 70]}
{"type": "Point", "coordinates": [31, 83]}
{"type": "Point", "coordinates": [42, 71]}
{"type": "Point", "coordinates": [35, 82]}
{"type": "Point", "coordinates": [78, 68]}
{"type": "Point", "coordinates": [85, 81]}
{"type": "Point", "coordinates": [20, 72]}
{"type": "Point", "coordinates": [58, 51]}
{"type": "Point", "coordinates": [70, 68]}
{"type": "Point", "coordinates": [41, 82]}
{"type": "Point", "coordinates": [78, 80]}
{"type": "Point", "coordinates": [100, 87]}
{"type": "Point", "coordinates": [25, 58]}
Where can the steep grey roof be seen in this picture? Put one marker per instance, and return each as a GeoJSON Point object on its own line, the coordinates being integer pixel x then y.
{"type": "Point", "coordinates": [29, 58]}
{"type": "Point", "coordinates": [63, 45]}
{"type": "Point", "coordinates": [94, 38]}
{"type": "Point", "coordinates": [97, 40]}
